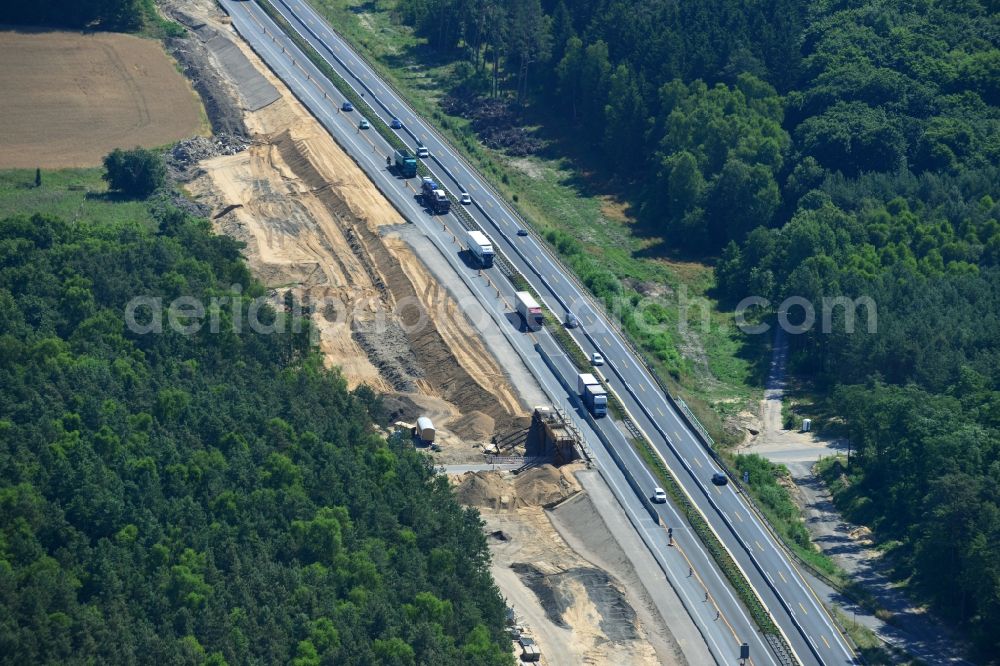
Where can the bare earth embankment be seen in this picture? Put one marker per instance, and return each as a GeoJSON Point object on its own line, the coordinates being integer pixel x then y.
{"type": "Point", "coordinates": [68, 99]}
{"type": "Point", "coordinates": [317, 228]}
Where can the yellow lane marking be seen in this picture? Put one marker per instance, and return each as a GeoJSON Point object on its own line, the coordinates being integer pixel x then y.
{"type": "Point", "coordinates": [825, 642]}
{"type": "Point", "coordinates": [785, 580]}
{"type": "Point", "coordinates": [803, 608]}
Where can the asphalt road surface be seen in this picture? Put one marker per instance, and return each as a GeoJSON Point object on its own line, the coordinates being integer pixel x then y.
{"type": "Point", "coordinates": [795, 607]}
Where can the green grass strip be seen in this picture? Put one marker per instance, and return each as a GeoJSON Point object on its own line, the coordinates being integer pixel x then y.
{"type": "Point", "coordinates": [700, 527]}
{"type": "Point", "coordinates": [575, 353]}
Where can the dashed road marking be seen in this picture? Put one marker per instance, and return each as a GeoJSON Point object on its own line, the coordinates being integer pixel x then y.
{"type": "Point", "coordinates": [660, 411]}
{"type": "Point", "coordinates": [738, 516]}
{"type": "Point", "coordinates": [803, 608]}
{"type": "Point", "coordinates": [697, 462]}
{"type": "Point", "coordinates": [825, 642]}
{"type": "Point", "coordinates": [641, 387]}
{"type": "Point", "coordinates": [758, 545]}
{"type": "Point", "coordinates": [785, 580]}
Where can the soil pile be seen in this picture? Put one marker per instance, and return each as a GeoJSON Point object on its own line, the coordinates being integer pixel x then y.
{"type": "Point", "coordinates": [543, 485]}
{"type": "Point", "coordinates": [537, 486]}
{"type": "Point", "coordinates": [482, 489]}
{"type": "Point", "coordinates": [474, 426]}
{"type": "Point", "coordinates": [182, 160]}
{"type": "Point", "coordinates": [589, 590]}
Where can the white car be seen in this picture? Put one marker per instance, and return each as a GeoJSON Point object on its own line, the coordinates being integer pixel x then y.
{"type": "Point", "coordinates": [596, 358]}
{"type": "Point", "coordinates": [659, 496]}
{"type": "Point", "coordinates": [422, 152]}
{"type": "Point", "coordinates": [465, 199]}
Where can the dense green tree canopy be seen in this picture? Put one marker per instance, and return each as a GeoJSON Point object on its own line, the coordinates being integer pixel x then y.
{"type": "Point", "coordinates": [137, 172]}
{"type": "Point", "coordinates": [207, 498]}
{"type": "Point", "coordinates": [104, 14]}
{"type": "Point", "coordinates": [841, 148]}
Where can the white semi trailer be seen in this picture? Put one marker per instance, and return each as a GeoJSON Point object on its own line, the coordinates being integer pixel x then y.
{"type": "Point", "coordinates": [481, 248]}
{"type": "Point", "coordinates": [529, 308]}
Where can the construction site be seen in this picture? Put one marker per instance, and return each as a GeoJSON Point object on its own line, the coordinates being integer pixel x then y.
{"type": "Point", "coordinates": [386, 310]}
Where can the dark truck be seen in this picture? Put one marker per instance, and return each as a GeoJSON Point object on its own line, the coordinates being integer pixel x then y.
{"type": "Point", "coordinates": [434, 197]}
{"type": "Point", "coordinates": [406, 164]}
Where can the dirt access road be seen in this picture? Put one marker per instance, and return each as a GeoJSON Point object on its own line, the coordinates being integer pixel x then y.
{"type": "Point", "coordinates": [70, 98]}
{"type": "Point", "coordinates": [910, 628]}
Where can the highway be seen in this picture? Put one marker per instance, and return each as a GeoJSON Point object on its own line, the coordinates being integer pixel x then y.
{"type": "Point", "coordinates": [800, 615]}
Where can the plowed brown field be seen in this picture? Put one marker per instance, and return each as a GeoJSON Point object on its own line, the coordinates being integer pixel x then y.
{"type": "Point", "coordinates": [68, 98]}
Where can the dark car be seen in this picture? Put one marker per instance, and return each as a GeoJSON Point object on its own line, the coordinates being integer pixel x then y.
{"type": "Point", "coordinates": [346, 106]}
{"type": "Point", "coordinates": [522, 232]}
{"type": "Point", "coordinates": [720, 479]}
{"type": "Point", "coordinates": [395, 124]}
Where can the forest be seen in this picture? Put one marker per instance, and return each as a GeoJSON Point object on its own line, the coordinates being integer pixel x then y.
{"type": "Point", "coordinates": [213, 496]}
{"type": "Point", "coordinates": [814, 149]}
{"type": "Point", "coordinates": [123, 15]}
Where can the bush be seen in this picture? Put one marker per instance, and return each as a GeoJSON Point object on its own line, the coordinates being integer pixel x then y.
{"type": "Point", "coordinates": [137, 172]}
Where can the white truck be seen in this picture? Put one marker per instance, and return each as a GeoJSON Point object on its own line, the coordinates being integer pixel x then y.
{"type": "Point", "coordinates": [529, 308]}
{"type": "Point", "coordinates": [481, 248]}
{"type": "Point", "coordinates": [593, 394]}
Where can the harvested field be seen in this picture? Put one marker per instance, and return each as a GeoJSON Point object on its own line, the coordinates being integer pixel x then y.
{"type": "Point", "coordinates": [70, 98]}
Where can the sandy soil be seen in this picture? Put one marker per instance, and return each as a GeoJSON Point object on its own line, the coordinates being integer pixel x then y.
{"type": "Point", "coordinates": [577, 612]}
{"type": "Point", "coordinates": [316, 226]}
{"type": "Point", "coordinates": [70, 98]}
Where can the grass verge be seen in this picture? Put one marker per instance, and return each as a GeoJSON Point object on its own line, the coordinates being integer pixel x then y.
{"type": "Point", "coordinates": [873, 651]}
{"type": "Point", "coordinates": [697, 522]}
{"type": "Point", "coordinates": [595, 235]}
{"type": "Point", "coordinates": [700, 527]}
{"type": "Point", "coordinates": [75, 195]}
{"type": "Point", "coordinates": [774, 499]}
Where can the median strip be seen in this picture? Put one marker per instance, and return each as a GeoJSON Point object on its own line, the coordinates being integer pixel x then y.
{"type": "Point", "coordinates": [696, 520]}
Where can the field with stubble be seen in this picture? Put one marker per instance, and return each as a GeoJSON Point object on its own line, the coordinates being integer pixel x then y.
{"type": "Point", "coordinates": [70, 98]}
